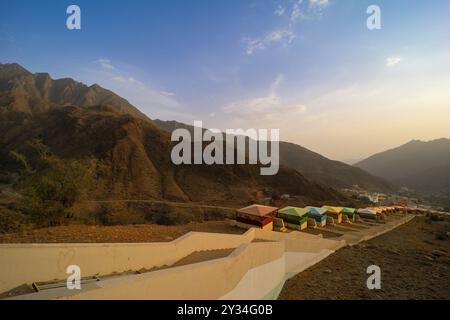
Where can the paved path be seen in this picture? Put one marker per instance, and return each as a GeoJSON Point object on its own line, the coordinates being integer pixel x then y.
{"type": "Point", "coordinates": [172, 203]}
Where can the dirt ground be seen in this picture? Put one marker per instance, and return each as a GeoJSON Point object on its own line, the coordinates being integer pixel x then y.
{"type": "Point", "coordinates": [414, 261]}
{"type": "Point", "coordinates": [111, 234]}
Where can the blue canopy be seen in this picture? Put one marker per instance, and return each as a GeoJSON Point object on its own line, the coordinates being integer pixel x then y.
{"type": "Point", "coordinates": [315, 210]}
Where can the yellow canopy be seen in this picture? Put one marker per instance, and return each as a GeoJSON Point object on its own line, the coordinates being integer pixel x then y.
{"type": "Point", "coordinates": [333, 209]}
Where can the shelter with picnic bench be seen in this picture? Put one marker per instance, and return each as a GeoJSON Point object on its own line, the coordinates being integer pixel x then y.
{"type": "Point", "coordinates": [256, 216]}
{"type": "Point", "coordinates": [294, 217]}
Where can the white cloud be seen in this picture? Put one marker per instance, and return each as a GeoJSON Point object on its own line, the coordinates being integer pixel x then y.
{"type": "Point", "coordinates": [319, 4]}
{"type": "Point", "coordinates": [130, 80]}
{"type": "Point", "coordinates": [168, 93]}
{"type": "Point", "coordinates": [392, 61]}
{"type": "Point", "coordinates": [280, 11]}
{"type": "Point", "coordinates": [267, 107]}
{"type": "Point", "coordinates": [279, 36]}
{"type": "Point", "coordinates": [297, 12]}
{"type": "Point", "coordinates": [106, 64]}
{"type": "Point", "coordinates": [300, 10]}
{"type": "Point", "coordinates": [154, 102]}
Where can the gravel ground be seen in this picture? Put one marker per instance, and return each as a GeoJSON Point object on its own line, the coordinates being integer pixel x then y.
{"type": "Point", "coordinates": [414, 261]}
{"type": "Point", "coordinates": [111, 234]}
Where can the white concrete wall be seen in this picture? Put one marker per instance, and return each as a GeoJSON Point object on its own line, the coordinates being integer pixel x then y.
{"type": "Point", "coordinates": [28, 263]}
{"type": "Point", "coordinates": [252, 271]}
{"type": "Point", "coordinates": [205, 280]}
{"type": "Point", "coordinates": [259, 281]}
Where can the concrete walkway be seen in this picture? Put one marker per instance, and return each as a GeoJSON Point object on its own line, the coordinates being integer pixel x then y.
{"type": "Point", "coordinates": [392, 222]}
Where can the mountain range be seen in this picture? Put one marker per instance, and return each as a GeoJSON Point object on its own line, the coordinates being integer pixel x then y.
{"type": "Point", "coordinates": [420, 165]}
{"type": "Point", "coordinates": [79, 121]}
{"type": "Point", "coordinates": [313, 165]}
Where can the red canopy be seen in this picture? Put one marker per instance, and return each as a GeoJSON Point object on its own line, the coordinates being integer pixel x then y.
{"type": "Point", "coordinates": [257, 210]}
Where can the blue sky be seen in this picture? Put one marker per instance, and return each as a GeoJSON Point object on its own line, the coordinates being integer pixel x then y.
{"type": "Point", "coordinates": [310, 68]}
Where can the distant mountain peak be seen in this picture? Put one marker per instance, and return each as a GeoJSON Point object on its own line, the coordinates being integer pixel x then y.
{"type": "Point", "coordinates": [419, 141]}
{"type": "Point", "coordinates": [33, 93]}
{"type": "Point", "coordinates": [96, 86]}
{"type": "Point", "coordinates": [10, 70]}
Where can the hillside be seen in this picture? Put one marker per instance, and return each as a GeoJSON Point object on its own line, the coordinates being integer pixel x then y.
{"type": "Point", "coordinates": [313, 165]}
{"type": "Point", "coordinates": [421, 165]}
{"type": "Point", "coordinates": [133, 153]}
{"type": "Point", "coordinates": [136, 155]}
{"type": "Point", "coordinates": [329, 172]}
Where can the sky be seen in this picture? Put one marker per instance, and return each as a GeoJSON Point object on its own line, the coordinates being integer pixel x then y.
{"type": "Point", "coordinates": [310, 68]}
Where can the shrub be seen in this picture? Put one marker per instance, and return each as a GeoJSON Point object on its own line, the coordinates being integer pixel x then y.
{"type": "Point", "coordinates": [103, 216]}
{"type": "Point", "coordinates": [50, 192]}
{"type": "Point", "coordinates": [440, 236]}
{"type": "Point", "coordinates": [174, 218]}
{"type": "Point", "coordinates": [214, 215]}
{"type": "Point", "coordinates": [6, 179]}
{"type": "Point", "coordinates": [435, 217]}
{"type": "Point", "coordinates": [276, 196]}
{"type": "Point", "coordinates": [11, 221]}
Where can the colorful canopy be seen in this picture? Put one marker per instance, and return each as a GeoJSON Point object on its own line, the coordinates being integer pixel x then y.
{"type": "Point", "coordinates": [333, 209]}
{"type": "Point", "coordinates": [293, 211]}
{"type": "Point", "coordinates": [257, 210]}
{"type": "Point", "coordinates": [366, 211]}
{"type": "Point", "coordinates": [294, 215]}
{"type": "Point", "coordinates": [348, 210]}
{"type": "Point", "coordinates": [377, 209]}
{"type": "Point", "coordinates": [315, 210]}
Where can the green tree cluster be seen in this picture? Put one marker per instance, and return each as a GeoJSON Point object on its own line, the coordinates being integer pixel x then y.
{"type": "Point", "coordinates": [52, 185]}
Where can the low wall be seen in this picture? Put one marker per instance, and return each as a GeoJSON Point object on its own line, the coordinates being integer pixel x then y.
{"type": "Point", "coordinates": [255, 270]}
{"type": "Point", "coordinates": [200, 281]}
{"type": "Point", "coordinates": [266, 281]}
{"type": "Point", "coordinates": [301, 242]}
{"type": "Point", "coordinates": [28, 263]}
{"type": "Point", "coordinates": [259, 281]}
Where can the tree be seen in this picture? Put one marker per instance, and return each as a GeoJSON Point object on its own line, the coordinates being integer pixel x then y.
{"type": "Point", "coordinates": [52, 187]}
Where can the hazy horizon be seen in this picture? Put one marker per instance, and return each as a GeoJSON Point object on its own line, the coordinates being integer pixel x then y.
{"type": "Point", "coordinates": [310, 68]}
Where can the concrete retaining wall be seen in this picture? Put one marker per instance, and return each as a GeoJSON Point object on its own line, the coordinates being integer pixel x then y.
{"type": "Point", "coordinates": [28, 263]}
{"type": "Point", "coordinates": [266, 281]}
{"type": "Point", "coordinates": [252, 271]}
{"type": "Point", "coordinates": [255, 270]}
{"type": "Point", "coordinates": [204, 280]}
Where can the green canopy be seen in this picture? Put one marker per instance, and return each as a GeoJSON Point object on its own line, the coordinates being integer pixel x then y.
{"type": "Point", "coordinates": [350, 213]}
{"type": "Point", "coordinates": [293, 211]}
{"type": "Point", "coordinates": [293, 215]}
